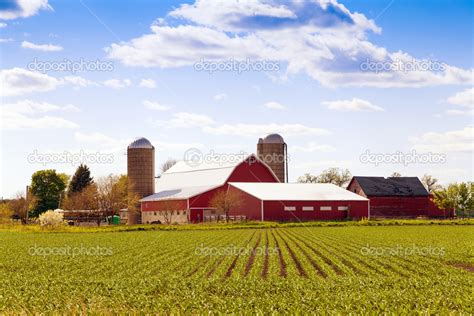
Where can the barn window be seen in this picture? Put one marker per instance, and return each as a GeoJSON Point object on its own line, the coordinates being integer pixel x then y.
{"type": "Point", "coordinates": [154, 213]}
{"type": "Point", "coordinates": [308, 208]}
{"type": "Point", "coordinates": [343, 208]}
{"type": "Point", "coordinates": [325, 208]}
{"type": "Point", "coordinates": [177, 212]}
{"type": "Point", "coordinates": [290, 208]}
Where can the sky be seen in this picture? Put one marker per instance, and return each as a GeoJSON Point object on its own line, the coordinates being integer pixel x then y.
{"type": "Point", "coordinates": [375, 86]}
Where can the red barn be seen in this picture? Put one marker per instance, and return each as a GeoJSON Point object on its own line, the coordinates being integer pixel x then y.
{"type": "Point", "coordinates": [396, 197]}
{"type": "Point", "coordinates": [298, 202]}
{"type": "Point", "coordinates": [187, 189]}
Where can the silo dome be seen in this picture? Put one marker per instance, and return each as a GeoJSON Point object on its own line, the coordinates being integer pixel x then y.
{"type": "Point", "coordinates": [273, 139]}
{"type": "Point", "coordinates": [141, 142]}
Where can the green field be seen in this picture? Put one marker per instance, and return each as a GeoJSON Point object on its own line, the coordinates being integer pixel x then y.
{"type": "Point", "coordinates": [398, 269]}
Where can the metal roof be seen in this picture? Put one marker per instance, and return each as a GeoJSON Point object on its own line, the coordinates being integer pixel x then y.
{"type": "Point", "coordinates": [394, 186]}
{"type": "Point", "coordinates": [184, 174]}
{"type": "Point", "coordinates": [273, 139]}
{"type": "Point", "coordinates": [177, 194]}
{"type": "Point", "coordinates": [297, 191]}
{"type": "Point", "coordinates": [141, 142]}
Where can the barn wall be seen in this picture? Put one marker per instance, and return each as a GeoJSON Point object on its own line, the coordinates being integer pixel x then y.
{"type": "Point", "coordinates": [404, 207]}
{"type": "Point", "coordinates": [151, 211]}
{"type": "Point", "coordinates": [203, 200]}
{"type": "Point", "coordinates": [252, 171]}
{"type": "Point", "coordinates": [356, 188]}
{"type": "Point", "coordinates": [274, 210]}
{"type": "Point", "coordinates": [157, 205]}
{"type": "Point", "coordinates": [250, 206]}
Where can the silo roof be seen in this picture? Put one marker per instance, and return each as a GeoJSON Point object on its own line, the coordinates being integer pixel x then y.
{"type": "Point", "coordinates": [273, 139]}
{"type": "Point", "coordinates": [141, 142]}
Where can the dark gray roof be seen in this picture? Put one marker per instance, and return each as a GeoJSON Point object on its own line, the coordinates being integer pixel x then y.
{"type": "Point", "coordinates": [141, 142]}
{"type": "Point", "coordinates": [396, 186]}
{"type": "Point", "coordinates": [273, 139]}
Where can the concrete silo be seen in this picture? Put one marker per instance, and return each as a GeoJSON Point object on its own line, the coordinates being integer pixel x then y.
{"type": "Point", "coordinates": [273, 151]}
{"type": "Point", "coordinates": [141, 173]}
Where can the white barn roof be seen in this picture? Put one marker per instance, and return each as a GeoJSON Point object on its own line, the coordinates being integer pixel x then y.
{"type": "Point", "coordinates": [185, 174]}
{"type": "Point", "coordinates": [297, 191]}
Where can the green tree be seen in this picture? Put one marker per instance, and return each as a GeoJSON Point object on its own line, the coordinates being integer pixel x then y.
{"type": "Point", "coordinates": [339, 177]}
{"type": "Point", "coordinates": [430, 183]}
{"type": "Point", "coordinates": [335, 176]}
{"type": "Point", "coordinates": [47, 186]}
{"type": "Point", "coordinates": [80, 180]}
{"type": "Point", "coordinates": [22, 204]}
{"type": "Point", "coordinates": [457, 198]}
{"type": "Point", "coordinates": [5, 212]}
{"type": "Point", "coordinates": [308, 178]}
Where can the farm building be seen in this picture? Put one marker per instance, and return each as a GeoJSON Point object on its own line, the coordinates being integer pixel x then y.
{"type": "Point", "coordinates": [396, 197]}
{"type": "Point", "coordinates": [298, 201]}
{"type": "Point", "coordinates": [188, 189]}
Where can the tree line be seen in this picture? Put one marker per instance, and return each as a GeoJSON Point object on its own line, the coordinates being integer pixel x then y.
{"type": "Point", "coordinates": [50, 190]}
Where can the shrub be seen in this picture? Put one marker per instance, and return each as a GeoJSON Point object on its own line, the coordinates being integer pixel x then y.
{"type": "Point", "coordinates": [51, 219]}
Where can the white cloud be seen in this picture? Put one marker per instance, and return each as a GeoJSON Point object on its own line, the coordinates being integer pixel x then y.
{"type": "Point", "coordinates": [460, 112]}
{"type": "Point", "coordinates": [79, 82]}
{"type": "Point", "coordinates": [100, 140]}
{"type": "Point", "coordinates": [2, 25]}
{"type": "Point", "coordinates": [274, 105]}
{"type": "Point", "coordinates": [6, 40]}
{"type": "Point", "coordinates": [148, 83]}
{"type": "Point", "coordinates": [225, 14]}
{"type": "Point", "coordinates": [351, 105]}
{"type": "Point", "coordinates": [185, 120]}
{"type": "Point", "coordinates": [257, 130]}
{"type": "Point", "coordinates": [155, 106]}
{"type": "Point", "coordinates": [312, 147]}
{"type": "Point", "coordinates": [27, 114]}
{"type": "Point", "coordinates": [220, 97]}
{"type": "Point", "coordinates": [209, 126]}
{"type": "Point", "coordinates": [18, 81]}
{"type": "Point", "coordinates": [463, 98]}
{"type": "Point", "coordinates": [465, 101]}
{"type": "Point", "coordinates": [23, 9]}
{"type": "Point", "coordinates": [41, 47]}
{"type": "Point", "coordinates": [322, 39]}
{"type": "Point", "coordinates": [451, 141]}
{"type": "Point", "coordinates": [117, 83]}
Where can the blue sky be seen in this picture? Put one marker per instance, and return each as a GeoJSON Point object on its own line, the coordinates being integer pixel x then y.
{"type": "Point", "coordinates": [327, 108]}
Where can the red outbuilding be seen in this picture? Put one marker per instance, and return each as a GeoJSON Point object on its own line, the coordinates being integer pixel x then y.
{"type": "Point", "coordinates": [396, 197]}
